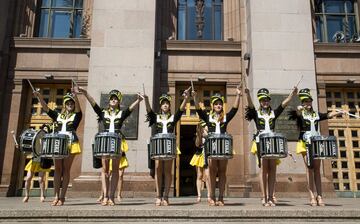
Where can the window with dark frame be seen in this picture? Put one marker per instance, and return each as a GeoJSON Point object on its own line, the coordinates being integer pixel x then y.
{"type": "Point", "coordinates": [337, 20]}
{"type": "Point", "coordinates": [212, 17]}
{"type": "Point", "coordinates": [59, 18]}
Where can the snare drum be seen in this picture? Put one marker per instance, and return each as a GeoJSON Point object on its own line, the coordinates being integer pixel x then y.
{"type": "Point", "coordinates": [55, 145]}
{"type": "Point", "coordinates": [219, 146]}
{"type": "Point", "coordinates": [272, 145]}
{"type": "Point", "coordinates": [163, 146]}
{"type": "Point", "coordinates": [107, 144]}
{"type": "Point", "coordinates": [324, 147]}
{"type": "Point", "coordinates": [30, 141]}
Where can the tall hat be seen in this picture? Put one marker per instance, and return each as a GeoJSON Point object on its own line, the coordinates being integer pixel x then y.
{"type": "Point", "coordinates": [116, 93]}
{"type": "Point", "coordinates": [216, 97]}
{"type": "Point", "coordinates": [67, 97]}
{"type": "Point", "coordinates": [263, 93]}
{"type": "Point", "coordinates": [304, 94]}
{"type": "Point", "coordinates": [164, 97]}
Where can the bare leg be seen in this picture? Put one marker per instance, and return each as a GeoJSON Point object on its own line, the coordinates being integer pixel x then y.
{"type": "Point", "coordinates": [199, 181]}
{"type": "Point", "coordinates": [121, 181]}
{"type": "Point", "coordinates": [317, 178]}
{"type": "Point", "coordinates": [57, 180]}
{"type": "Point", "coordinates": [105, 180]}
{"type": "Point", "coordinates": [66, 177]}
{"type": "Point", "coordinates": [101, 197]}
{"type": "Point", "coordinates": [271, 180]}
{"type": "Point", "coordinates": [206, 174]}
{"type": "Point", "coordinates": [213, 167]}
{"type": "Point", "coordinates": [167, 172]}
{"type": "Point", "coordinates": [264, 180]}
{"type": "Point", "coordinates": [114, 180]}
{"type": "Point", "coordinates": [158, 180]}
{"type": "Point", "coordinates": [29, 177]}
{"type": "Point", "coordinates": [222, 180]}
{"type": "Point", "coordinates": [42, 186]}
{"type": "Point", "coordinates": [310, 181]}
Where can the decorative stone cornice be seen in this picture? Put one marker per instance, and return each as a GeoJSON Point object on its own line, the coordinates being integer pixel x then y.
{"type": "Point", "coordinates": [337, 48]}
{"type": "Point", "coordinates": [201, 45]}
{"type": "Point", "coordinates": [73, 43]}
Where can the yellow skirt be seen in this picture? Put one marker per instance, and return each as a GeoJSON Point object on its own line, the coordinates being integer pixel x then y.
{"type": "Point", "coordinates": [35, 167]}
{"type": "Point", "coordinates": [124, 163]}
{"type": "Point", "coordinates": [301, 147]}
{"type": "Point", "coordinates": [254, 151]}
{"type": "Point", "coordinates": [198, 160]}
{"type": "Point", "coordinates": [75, 148]}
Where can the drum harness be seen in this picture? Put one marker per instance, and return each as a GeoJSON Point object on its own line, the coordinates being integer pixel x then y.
{"type": "Point", "coordinates": [308, 135]}
{"type": "Point", "coordinates": [112, 117]}
{"type": "Point", "coordinates": [267, 118]}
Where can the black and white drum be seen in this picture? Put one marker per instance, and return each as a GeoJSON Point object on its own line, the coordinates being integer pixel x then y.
{"type": "Point", "coordinates": [107, 144]}
{"type": "Point", "coordinates": [163, 146]}
{"type": "Point", "coordinates": [272, 145]}
{"type": "Point", "coordinates": [219, 146]}
{"type": "Point", "coordinates": [324, 147]}
{"type": "Point", "coordinates": [55, 145]}
{"type": "Point", "coordinates": [30, 141]}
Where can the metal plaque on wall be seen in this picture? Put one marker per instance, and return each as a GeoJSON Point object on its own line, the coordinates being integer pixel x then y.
{"type": "Point", "coordinates": [283, 124]}
{"type": "Point", "coordinates": [130, 125]}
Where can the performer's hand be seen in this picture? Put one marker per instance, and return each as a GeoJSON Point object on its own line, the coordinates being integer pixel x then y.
{"type": "Point", "coordinates": [36, 93]}
{"type": "Point", "coordinates": [145, 96]}
{"type": "Point", "coordinates": [193, 93]}
{"type": "Point", "coordinates": [140, 97]}
{"type": "Point", "coordinates": [75, 90]}
{"type": "Point", "coordinates": [247, 91]}
{"type": "Point", "coordinates": [300, 108]}
{"type": "Point", "coordinates": [295, 90]}
{"type": "Point", "coordinates": [186, 93]}
{"type": "Point", "coordinates": [81, 90]}
{"type": "Point", "coordinates": [238, 90]}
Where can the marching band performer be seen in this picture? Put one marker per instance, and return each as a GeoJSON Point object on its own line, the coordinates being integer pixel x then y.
{"type": "Point", "coordinates": [40, 166]}
{"type": "Point", "coordinates": [68, 121]}
{"type": "Point", "coordinates": [217, 122]}
{"type": "Point", "coordinates": [199, 160]}
{"type": "Point", "coordinates": [112, 119]}
{"type": "Point", "coordinates": [307, 122]}
{"type": "Point", "coordinates": [264, 119]}
{"type": "Point", "coordinates": [165, 123]}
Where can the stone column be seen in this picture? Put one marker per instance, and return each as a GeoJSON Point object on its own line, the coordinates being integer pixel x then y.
{"type": "Point", "coordinates": [121, 57]}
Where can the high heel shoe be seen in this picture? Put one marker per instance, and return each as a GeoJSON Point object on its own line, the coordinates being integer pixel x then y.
{"type": "Point", "coordinates": [54, 202]}
{"type": "Point", "coordinates": [319, 200]}
{"type": "Point", "coordinates": [211, 202]}
{"type": "Point", "coordinates": [165, 201]}
{"type": "Point", "coordinates": [26, 199]}
{"type": "Point", "coordinates": [313, 202]}
{"type": "Point", "coordinates": [158, 201]}
{"type": "Point", "coordinates": [264, 202]}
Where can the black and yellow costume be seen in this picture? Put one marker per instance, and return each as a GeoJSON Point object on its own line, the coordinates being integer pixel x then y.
{"type": "Point", "coordinates": [68, 123]}
{"type": "Point", "coordinates": [259, 118]}
{"type": "Point", "coordinates": [106, 117]}
{"type": "Point", "coordinates": [198, 158]}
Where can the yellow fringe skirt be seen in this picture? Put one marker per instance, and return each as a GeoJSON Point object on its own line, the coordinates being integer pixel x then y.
{"type": "Point", "coordinates": [35, 167]}
{"type": "Point", "coordinates": [198, 160]}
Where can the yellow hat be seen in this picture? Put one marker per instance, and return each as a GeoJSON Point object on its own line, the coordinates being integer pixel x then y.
{"type": "Point", "coordinates": [164, 97]}
{"type": "Point", "coordinates": [116, 93]}
{"type": "Point", "coordinates": [216, 97]}
{"type": "Point", "coordinates": [304, 94]}
{"type": "Point", "coordinates": [67, 97]}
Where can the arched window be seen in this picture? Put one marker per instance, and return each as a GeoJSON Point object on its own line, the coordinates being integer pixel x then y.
{"type": "Point", "coordinates": [59, 18]}
{"type": "Point", "coordinates": [200, 20]}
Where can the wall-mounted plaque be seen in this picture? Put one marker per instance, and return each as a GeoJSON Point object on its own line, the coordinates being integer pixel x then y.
{"type": "Point", "coordinates": [130, 125]}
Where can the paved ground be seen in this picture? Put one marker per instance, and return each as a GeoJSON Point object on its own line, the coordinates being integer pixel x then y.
{"type": "Point", "coordinates": [181, 210]}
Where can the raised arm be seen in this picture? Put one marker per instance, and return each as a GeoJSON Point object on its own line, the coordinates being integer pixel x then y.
{"type": "Point", "coordinates": [136, 102]}
{"type": "Point", "coordinates": [42, 101]}
{"type": "Point", "coordinates": [75, 91]}
{"type": "Point", "coordinates": [87, 95]}
{"type": "Point", "coordinates": [196, 102]}
{"type": "Point", "coordinates": [147, 103]}
{"type": "Point", "coordinates": [186, 95]}
{"type": "Point", "coordinates": [291, 95]}
{"type": "Point", "coordinates": [248, 97]}
{"type": "Point", "coordinates": [238, 94]}
{"type": "Point", "coordinates": [334, 114]}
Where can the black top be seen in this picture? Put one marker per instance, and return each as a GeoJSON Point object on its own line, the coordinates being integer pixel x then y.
{"type": "Point", "coordinates": [252, 114]}
{"type": "Point", "coordinates": [212, 125]}
{"type": "Point", "coordinates": [71, 125]}
{"type": "Point", "coordinates": [118, 122]}
{"type": "Point", "coordinates": [152, 118]}
{"type": "Point", "coordinates": [305, 124]}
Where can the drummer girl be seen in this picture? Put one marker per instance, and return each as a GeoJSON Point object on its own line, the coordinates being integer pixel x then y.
{"type": "Point", "coordinates": [35, 166]}
{"type": "Point", "coordinates": [307, 121]}
{"type": "Point", "coordinates": [67, 121]}
{"type": "Point", "coordinates": [199, 161]}
{"type": "Point", "coordinates": [113, 119]}
{"type": "Point", "coordinates": [217, 122]}
{"type": "Point", "coordinates": [165, 123]}
{"type": "Point", "coordinates": [264, 119]}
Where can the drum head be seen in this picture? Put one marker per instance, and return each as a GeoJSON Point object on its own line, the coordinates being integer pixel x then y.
{"type": "Point", "coordinates": [38, 142]}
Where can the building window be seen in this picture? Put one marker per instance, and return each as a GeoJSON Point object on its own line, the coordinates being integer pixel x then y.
{"type": "Point", "coordinates": [200, 20]}
{"type": "Point", "coordinates": [59, 18]}
{"type": "Point", "coordinates": [336, 20]}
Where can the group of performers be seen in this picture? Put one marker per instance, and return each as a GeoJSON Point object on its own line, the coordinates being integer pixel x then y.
{"type": "Point", "coordinates": [213, 122]}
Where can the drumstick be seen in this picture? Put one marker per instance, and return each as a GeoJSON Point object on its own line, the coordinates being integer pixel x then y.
{"type": "Point", "coordinates": [14, 137]}
{"type": "Point", "coordinates": [143, 88]}
{"type": "Point", "coordinates": [192, 84]}
{"type": "Point", "coordinates": [293, 158]}
{"type": "Point", "coordinates": [32, 87]}
{"type": "Point", "coordinates": [299, 80]}
{"type": "Point", "coordinates": [350, 114]}
{"type": "Point", "coordinates": [75, 82]}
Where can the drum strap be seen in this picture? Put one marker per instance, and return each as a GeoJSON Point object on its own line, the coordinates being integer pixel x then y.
{"type": "Point", "coordinates": [112, 118]}
{"type": "Point", "coordinates": [164, 122]}
{"type": "Point", "coordinates": [64, 121]}
{"type": "Point", "coordinates": [266, 118]}
{"type": "Point", "coordinates": [217, 123]}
